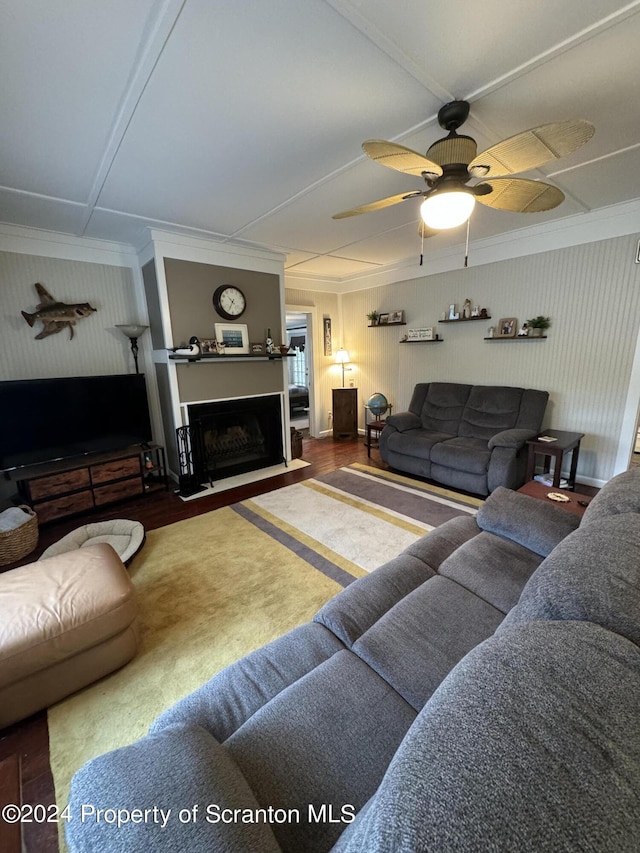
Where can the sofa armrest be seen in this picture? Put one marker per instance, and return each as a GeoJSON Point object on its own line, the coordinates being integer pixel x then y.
{"type": "Point", "coordinates": [512, 438]}
{"type": "Point", "coordinates": [403, 421]}
{"type": "Point", "coordinates": [525, 520]}
{"type": "Point", "coordinates": [151, 781]}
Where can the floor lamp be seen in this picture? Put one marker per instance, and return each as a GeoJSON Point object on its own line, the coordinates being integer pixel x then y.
{"type": "Point", "coordinates": [133, 332]}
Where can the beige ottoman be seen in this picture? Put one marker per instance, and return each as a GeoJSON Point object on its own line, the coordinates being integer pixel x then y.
{"type": "Point", "coordinates": [64, 623]}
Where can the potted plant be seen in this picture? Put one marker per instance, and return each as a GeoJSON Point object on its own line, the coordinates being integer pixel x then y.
{"type": "Point", "coordinates": [372, 317]}
{"type": "Point", "coordinates": [538, 325]}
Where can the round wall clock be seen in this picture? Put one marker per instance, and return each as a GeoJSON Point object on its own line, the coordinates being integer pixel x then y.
{"type": "Point", "coordinates": [229, 301]}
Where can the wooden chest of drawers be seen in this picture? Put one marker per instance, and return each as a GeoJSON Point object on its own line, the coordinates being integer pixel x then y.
{"type": "Point", "coordinates": [75, 487]}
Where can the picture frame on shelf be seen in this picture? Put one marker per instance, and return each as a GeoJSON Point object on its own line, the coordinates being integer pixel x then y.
{"type": "Point", "coordinates": [383, 319]}
{"type": "Point", "coordinates": [507, 327]}
{"type": "Point", "coordinates": [396, 317]}
{"type": "Point", "coordinates": [234, 336]}
{"type": "Point", "coordinates": [257, 348]}
{"type": "Point", "coordinates": [207, 345]}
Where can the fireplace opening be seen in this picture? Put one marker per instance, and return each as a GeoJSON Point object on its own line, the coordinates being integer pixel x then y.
{"type": "Point", "coordinates": [232, 437]}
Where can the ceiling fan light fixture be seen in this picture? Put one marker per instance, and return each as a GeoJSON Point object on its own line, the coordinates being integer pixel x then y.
{"type": "Point", "coordinates": [447, 209]}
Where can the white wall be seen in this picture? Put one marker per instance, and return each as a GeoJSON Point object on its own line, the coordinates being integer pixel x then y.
{"type": "Point", "coordinates": [592, 294]}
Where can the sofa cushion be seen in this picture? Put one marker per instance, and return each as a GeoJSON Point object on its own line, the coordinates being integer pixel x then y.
{"type": "Point", "coordinates": [416, 643]}
{"type": "Point", "coordinates": [471, 455]}
{"type": "Point", "coordinates": [327, 739]}
{"type": "Point", "coordinates": [532, 523]}
{"type": "Point", "coordinates": [531, 744]}
{"type": "Point", "coordinates": [575, 582]}
{"type": "Point", "coordinates": [490, 409]}
{"type": "Point", "coordinates": [620, 495]}
{"type": "Point", "coordinates": [493, 568]}
{"type": "Point", "coordinates": [416, 442]}
{"type": "Point", "coordinates": [354, 610]}
{"type": "Point", "coordinates": [443, 406]}
{"type": "Point", "coordinates": [226, 701]}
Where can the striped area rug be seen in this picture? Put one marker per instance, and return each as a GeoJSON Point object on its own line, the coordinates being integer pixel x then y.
{"type": "Point", "coordinates": [350, 521]}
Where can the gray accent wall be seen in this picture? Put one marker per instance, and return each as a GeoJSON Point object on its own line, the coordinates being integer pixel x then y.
{"type": "Point", "coordinates": [190, 287]}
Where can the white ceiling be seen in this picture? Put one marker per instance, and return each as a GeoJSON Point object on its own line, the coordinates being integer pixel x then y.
{"type": "Point", "coordinates": [243, 120]}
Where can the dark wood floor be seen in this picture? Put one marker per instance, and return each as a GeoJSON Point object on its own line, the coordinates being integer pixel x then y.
{"type": "Point", "coordinates": [25, 745]}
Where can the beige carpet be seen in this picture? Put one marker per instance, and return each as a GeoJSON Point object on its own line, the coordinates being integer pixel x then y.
{"type": "Point", "coordinates": [214, 587]}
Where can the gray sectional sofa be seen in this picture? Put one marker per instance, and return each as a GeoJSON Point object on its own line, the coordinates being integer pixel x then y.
{"type": "Point", "coordinates": [479, 692]}
{"type": "Point", "coordinates": [469, 437]}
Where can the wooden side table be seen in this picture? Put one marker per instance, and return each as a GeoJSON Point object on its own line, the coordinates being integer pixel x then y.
{"type": "Point", "coordinates": [373, 426]}
{"type": "Point", "coordinates": [576, 504]}
{"type": "Point", "coordinates": [562, 443]}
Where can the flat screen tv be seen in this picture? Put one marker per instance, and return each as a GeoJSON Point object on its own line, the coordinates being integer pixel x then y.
{"type": "Point", "coordinates": [42, 420]}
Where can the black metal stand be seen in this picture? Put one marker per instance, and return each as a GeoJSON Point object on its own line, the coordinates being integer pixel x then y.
{"type": "Point", "coordinates": [188, 482]}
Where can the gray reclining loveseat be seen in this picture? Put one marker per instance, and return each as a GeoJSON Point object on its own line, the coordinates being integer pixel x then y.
{"type": "Point", "coordinates": [469, 437]}
{"type": "Point", "coordinates": [413, 704]}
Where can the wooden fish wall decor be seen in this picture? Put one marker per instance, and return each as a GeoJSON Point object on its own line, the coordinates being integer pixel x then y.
{"type": "Point", "coordinates": [56, 315]}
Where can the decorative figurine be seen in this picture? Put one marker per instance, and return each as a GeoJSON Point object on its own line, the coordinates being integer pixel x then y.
{"type": "Point", "coordinates": [54, 315]}
{"type": "Point", "coordinates": [269, 342]}
{"type": "Point", "coordinates": [466, 309]}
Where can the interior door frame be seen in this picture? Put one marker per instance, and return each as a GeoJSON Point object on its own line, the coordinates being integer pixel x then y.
{"type": "Point", "coordinates": [311, 314]}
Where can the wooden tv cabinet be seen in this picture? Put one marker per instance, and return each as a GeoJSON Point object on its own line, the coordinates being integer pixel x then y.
{"type": "Point", "coordinates": [68, 487]}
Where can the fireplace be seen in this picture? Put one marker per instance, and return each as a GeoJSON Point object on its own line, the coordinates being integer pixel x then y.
{"type": "Point", "coordinates": [230, 437]}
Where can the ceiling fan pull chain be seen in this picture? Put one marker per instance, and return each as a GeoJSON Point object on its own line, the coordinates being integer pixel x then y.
{"type": "Point", "coordinates": [466, 247]}
{"type": "Point", "coordinates": [421, 245]}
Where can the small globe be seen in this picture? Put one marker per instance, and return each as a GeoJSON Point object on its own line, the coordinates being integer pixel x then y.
{"type": "Point", "coordinates": [378, 404]}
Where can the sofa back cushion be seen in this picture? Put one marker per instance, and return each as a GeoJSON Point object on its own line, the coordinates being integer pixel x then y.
{"type": "Point", "coordinates": [443, 406]}
{"type": "Point", "coordinates": [619, 496]}
{"type": "Point", "coordinates": [591, 576]}
{"type": "Point", "coordinates": [490, 409]}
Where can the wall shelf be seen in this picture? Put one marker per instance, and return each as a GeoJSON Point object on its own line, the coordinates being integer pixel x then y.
{"type": "Point", "coordinates": [384, 325]}
{"type": "Point", "coordinates": [466, 320]}
{"type": "Point", "coordinates": [521, 338]}
{"type": "Point", "coordinates": [438, 341]}
{"type": "Point", "coordinates": [214, 356]}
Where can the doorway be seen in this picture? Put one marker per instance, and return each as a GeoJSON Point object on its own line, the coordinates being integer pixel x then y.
{"type": "Point", "coordinates": [299, 329]}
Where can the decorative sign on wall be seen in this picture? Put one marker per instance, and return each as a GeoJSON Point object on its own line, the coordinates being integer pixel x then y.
{"type": "Point", "coordinates": [54, 315]}
{"type": "Point", "coordinates": [420, 334]}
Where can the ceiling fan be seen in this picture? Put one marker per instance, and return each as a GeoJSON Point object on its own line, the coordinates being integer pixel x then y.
{"type": "Point", "coordinates": [452, 162]}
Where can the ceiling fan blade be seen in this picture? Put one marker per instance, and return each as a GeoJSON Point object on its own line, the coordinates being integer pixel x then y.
{"type": "Point", "coordinates": [377, 205]}
{"type": "Point", "coordinates": [398, 157]}
{"type": "Point", "coordinates": [519, 195]}
{"type": "Point", "coordinates": [532, 148]}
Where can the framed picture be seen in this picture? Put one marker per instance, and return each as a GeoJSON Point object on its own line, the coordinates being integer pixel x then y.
{"type": "Point", "coordinates": [234, 336]}
{"type": "Point", "coordinates": [383, 320]}
{"type": "Point", "coordinates": [257, 348]}
{"type": "Point", "coordinates": [396, 316]}
{"type": "Point", "coordinates": [207, 345]}
{"type": "Point", "coordinates": [507, 327]}
{"type": "Point", "coordinates": [328, 349]}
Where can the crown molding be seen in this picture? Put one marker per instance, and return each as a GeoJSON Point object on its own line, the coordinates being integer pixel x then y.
{"type": "Point", "coordinates": [53, 244]}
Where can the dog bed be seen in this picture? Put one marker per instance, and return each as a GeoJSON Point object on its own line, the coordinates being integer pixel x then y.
{"type": "Point", "coordinates": [126, 537]}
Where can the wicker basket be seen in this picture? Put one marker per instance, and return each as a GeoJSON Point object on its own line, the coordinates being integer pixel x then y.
{"type": "Point", "coordinates": [17, 543]}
